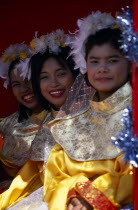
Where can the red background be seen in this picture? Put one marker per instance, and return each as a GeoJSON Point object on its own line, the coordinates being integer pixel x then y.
{"type": "Point", "coordinates": [19, 19]}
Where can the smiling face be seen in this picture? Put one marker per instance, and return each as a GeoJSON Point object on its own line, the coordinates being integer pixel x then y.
{"type": "Point", "coordinates": [55, 82]}
{"type": "Point", "coordinates": [107, 69]}
{"type": "Point", "coordinates": [22, 90]}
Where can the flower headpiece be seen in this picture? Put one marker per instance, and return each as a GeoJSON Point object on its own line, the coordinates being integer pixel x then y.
{"type": "Point", "coordinates": [89, 26]}
{"type": "Point", "coordinates": [21, 51]}
{"type": "Point", "coordinates": [52, 41]}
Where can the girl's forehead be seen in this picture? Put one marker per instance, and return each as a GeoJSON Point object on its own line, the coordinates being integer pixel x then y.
{"type": "Point", "coordinates": [53, 64]}
{"type": "Point", "coordinates": [51, 60]}
{"type": "Point", "coordinates": [105, 50]}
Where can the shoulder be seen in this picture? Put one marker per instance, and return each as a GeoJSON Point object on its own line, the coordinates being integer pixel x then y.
{"type": "Point", "coordinates": [14, 115]}
{"type": "Point", "coordinates": [9, 121]}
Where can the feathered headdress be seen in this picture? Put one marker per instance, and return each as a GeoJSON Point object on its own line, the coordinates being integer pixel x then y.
{"type": "Point", "coordinates": [88, 26]}
{"type": "Point", "coordinates": [21, 51]}
{"type": "Point", "coordinates": [53, 42]}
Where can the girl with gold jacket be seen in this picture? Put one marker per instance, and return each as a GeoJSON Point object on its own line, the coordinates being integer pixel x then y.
{"type": "Point", "coordinates": [85, 170]}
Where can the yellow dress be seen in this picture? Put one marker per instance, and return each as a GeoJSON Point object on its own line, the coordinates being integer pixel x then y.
{"type": "Point", "coordinates": [87, 164]}
{"type": "Point", "coordinates": [18, 138]}
{"type": "Point", "coordinates": [30, 177]}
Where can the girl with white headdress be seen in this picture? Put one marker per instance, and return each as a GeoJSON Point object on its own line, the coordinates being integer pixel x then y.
{"type": "Point", "coordinates": [52, 76]}
{"type": "Point", "coordinates": [19, 129]}
{"type": "Point", "coordinates": [85, 170]}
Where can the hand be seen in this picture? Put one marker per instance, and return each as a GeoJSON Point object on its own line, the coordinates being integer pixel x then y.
{"type": "Point", "coordinates": [76, 204]}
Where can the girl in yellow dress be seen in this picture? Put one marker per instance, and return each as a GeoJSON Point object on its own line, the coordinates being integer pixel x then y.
{"type": "Point", "coordinates": [52, 77]}
{"type": "Point", "coordinates": [85, 170]}
{"type": "Point", "coordinates": [19, 129]}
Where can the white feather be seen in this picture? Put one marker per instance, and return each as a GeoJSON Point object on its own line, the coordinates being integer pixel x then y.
{"type": "Point", "coordinates": [87, 26]}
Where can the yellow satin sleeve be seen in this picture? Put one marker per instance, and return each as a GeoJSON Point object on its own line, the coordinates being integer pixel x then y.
{"type": "Point", "coordinates": [111, 177]}
{"type": "Point", "coordinates": [28, 179]}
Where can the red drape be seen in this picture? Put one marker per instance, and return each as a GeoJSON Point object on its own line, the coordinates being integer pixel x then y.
{"type": "Point", "coordinates": [20, 19]}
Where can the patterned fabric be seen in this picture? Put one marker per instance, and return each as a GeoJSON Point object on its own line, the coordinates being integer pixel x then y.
{"type": "Point", "coordinates": [94, 197]}
{"type": "Point", "coordinates": [87, 136]}
{"type": "Point", "coordinates": [20, 138]}
{"type": "Point", "coordinates": [17, 138]}
{"type": "Point", "coordinates": [43, 142]}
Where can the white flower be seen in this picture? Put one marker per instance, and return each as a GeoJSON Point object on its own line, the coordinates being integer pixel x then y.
{"type": "Point", "coordinates": [51, 41]}
{"type": "Point", "coordinates": [21, 51]}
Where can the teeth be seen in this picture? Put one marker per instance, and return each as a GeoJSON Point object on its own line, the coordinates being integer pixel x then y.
{"type": "Point", "coordinates": [28, 97]}
{"type": "Point", "coordinates": [56, 92]}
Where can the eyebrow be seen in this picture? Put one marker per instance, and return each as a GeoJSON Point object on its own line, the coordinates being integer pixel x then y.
{"type": "Point", "coordinates": [44, 72]}
{"type": "Point", "coordinates": [108, 57]}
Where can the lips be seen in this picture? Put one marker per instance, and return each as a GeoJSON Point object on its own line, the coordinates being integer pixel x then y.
{"type": "Point", "coordinates": [57, 93]}
{"type": "Point", "coordinates": [28, 98]}
{"type": "Point", "coordinates": [103, 79]}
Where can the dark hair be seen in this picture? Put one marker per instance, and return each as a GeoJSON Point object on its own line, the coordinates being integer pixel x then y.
{"type": "Point", "coordinates": [36, 64]}
{"type": "Point", "coordinates": [23, 110]}
{"type": "Point", "coordinates": [107, 35]}
{"type": "Point", "coordinates": [12, 66]}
